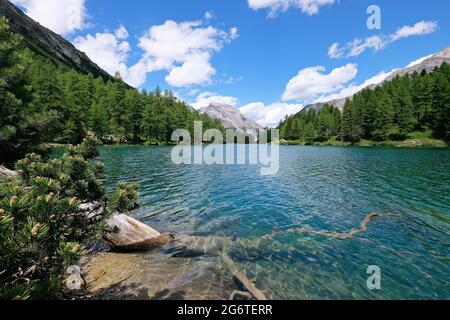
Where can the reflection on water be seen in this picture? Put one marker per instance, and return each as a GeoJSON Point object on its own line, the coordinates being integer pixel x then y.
{"type": "Point", "coordinates": [329, 189]}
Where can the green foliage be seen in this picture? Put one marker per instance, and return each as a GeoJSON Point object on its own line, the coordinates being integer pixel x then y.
{"type": "Point", "coordinates": [22, 127]}
{"type": "Point", "coordinates": [43, 227]}
{"type": "Point", "coordinates": [310, 133]}
{"type": "Point", "coordinates": [125, 198]}
{"type": "Point", "coordinates": [392, 111]}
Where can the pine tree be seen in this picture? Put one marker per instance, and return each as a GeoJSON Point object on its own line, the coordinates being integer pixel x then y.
{"type": "Point", "coordinates": [403, 105]}
{"type": "Point", "coordinates": [422, 96]}
{"type": "Point", "coordinates": [370, 113]}
{"type": "Point", "coordinates": [21, 130]}
{"type": "Point", "coordinates": [310, 133]}
{"type": "Point", "coordinates": [383, 123]}
{"type": "Point", "coordinates": [42, 229]}
{"type": "Point", "coordinates": [441, 102]}
{"type": "Point", "coordinates": [98, 119]}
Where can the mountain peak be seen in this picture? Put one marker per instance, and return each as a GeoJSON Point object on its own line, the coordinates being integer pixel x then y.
{"type": "Point", "coordinates": [445, 54]}
{"type": "Point", "coordinates": [230, 117]}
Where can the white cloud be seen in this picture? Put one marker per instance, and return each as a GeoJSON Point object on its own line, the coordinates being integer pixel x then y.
{"type": "Point", "coordinates": [269, 115]}
{"type": "Point", "coordinates": [334, 51]}
{"type": "Point", "coordinates": [309, 7]}
{"type": "Point", "coordinates": [209, 15]}
{"type": "Point", "coordinates": [195, 70]}
{"type": "Point", "coordinates": [62, 16]}
{"type": "Point", "coordinates": [234, 33]}
{"type": "Point", "coordinates": [206, 98]}
{"type": "Point", "coordinates": [111, 54]}
{"type": "Point", "coordinates": [357, 46]}
{"type": "Point", "coordinates": [313, 82]}
{"type": "Point", "coordinates": [184, 50]}
{"type": "Point", "coordinates": [122, 33]}
{"type": "Point", "coordinates": [419, 29]}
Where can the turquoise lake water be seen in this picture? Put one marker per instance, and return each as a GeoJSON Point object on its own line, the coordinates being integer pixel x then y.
{"type": "Point", "coordinates": [320, 188]}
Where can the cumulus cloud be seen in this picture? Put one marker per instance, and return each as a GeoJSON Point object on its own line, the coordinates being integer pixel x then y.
{"type": "Point", "coordinates": [309, 7]}
{"type": "Point", "coordinates": [110, 51]}
{"type": "Point", "coordinates": [184, 50]}
{"type": "Point", "coordinates": [312, 82]}
{"type": "Point", "coordinates": [356, 47]}
{"type": "Point", "coordinates": [195, 70]}
{"type": "Point", "coordinates": [206, 98]}
{"type": "Point", "coordinates": [269, 115]}
{"type": "Point", "coordinates": [62, 16]}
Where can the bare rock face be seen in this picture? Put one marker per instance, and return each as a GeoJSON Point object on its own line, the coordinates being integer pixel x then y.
{"type": "Point", "coordinates": [133, 235]}
{"type": "Point", "coordinates": [6, 174]}
{"type": "Point", "coordinates": [230, 117]}
{"type": "Point", "coordinates": [428, 64]}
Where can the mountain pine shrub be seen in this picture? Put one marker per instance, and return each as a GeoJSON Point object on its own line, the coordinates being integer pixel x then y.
{"type": "Point", "coordinates": [42, 229]}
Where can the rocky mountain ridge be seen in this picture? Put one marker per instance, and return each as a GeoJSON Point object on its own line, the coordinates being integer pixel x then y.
{"type": "Point", "coordinates": [47, 43]}
{"type": "Point", "coordinates": [230, 117]}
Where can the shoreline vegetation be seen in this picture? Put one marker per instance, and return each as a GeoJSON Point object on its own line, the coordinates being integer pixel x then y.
{"type": "Point", "coordinates": [414, 140]}
{"type": "Point", "coordinates": [408, 143]}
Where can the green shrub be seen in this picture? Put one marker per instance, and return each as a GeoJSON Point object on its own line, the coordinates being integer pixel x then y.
{"type": "Point", "coordinates": [42, 229]}
{"type": "Point", "coordinates": [125, 198]}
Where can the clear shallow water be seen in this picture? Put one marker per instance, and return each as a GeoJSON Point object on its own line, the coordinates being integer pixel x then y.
{"type": "Point", "coordinates": [321, 188]}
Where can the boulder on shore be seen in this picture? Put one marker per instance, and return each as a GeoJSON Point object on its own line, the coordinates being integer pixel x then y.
{"type": "Point", "coordinates": [6, 174]}
{"type": "Point", "coordinates": [130, 234]}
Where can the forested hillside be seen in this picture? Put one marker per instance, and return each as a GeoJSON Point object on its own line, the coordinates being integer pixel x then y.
{"type": "Point", "coordinates": [42, 101]}
{"type": "Point", "coordinates": [396, 110]}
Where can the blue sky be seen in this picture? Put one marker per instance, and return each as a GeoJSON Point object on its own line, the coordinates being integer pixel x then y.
{"type": "Point", "coordinates": [268, 57]}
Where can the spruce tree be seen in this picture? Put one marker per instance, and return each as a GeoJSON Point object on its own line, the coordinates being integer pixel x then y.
{"type": "Point", "coordinates": [21, 129]}
{"type": "Point", "coordinates": [310, 133]}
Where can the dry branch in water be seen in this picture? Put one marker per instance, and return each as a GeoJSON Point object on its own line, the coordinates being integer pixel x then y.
{"type": "Point", "coordinates": [242, 279]}
{"type": "Point", "coordinates": [344, 236]}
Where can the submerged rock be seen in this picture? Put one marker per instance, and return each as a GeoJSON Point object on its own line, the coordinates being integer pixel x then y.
{"type": "Point", "coordinates": [192, 245]}
{"type": "Point", "coordinates": [155, 276]}
{"type": "Point", "coordinates": [130, 234]}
